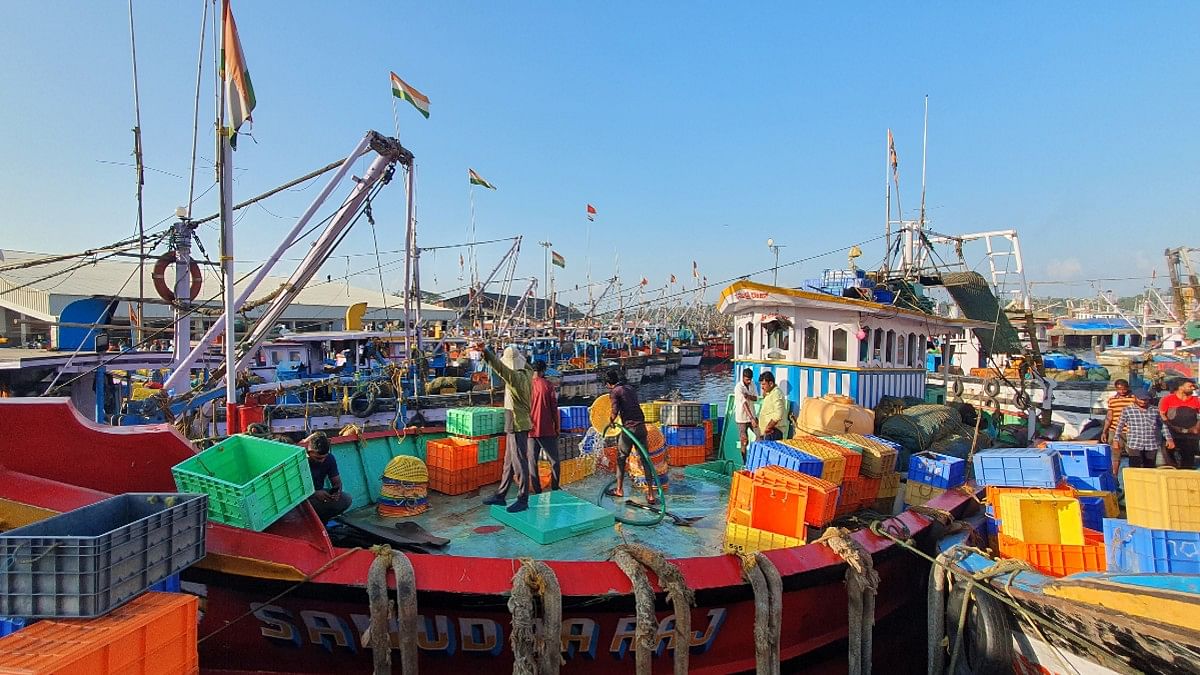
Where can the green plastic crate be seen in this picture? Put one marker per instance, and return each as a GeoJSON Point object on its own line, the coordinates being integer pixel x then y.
{"type": "Point", "coordinates": [250, 482]}
{"type": "Point", "coordinates": [489, 449]}
{"type": "Point", "coordinates": [719, 472]}
{"type": "Point", "coordinates": [478, 421]}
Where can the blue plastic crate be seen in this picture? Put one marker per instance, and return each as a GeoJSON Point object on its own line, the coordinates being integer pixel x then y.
{"type": "Point", "coordinates": [574, 418]}
{"type": "Point", "coordinates": [169, 585]}
{"type": "Point", "coordinates": [938, 470]}
{"type": "Point", "coordinates": [677, 436]}
{"type": "Point", "coordinates": [1017, 467]}
{"type": "Point", "coordinates": [10, 625]}
{"type": "Point", "coordinates": [1093, 512]}
{"type": "Point", "coordinates": [1105, 482]}
{"type": "Point", "coordinates": [764, 453]}
{"type": "Point", "coordinates": [706, 411]}
{"type": "Point", "coordinates": [1082, 459]}
{"type": "Point", "coordinates": [1143, 550]}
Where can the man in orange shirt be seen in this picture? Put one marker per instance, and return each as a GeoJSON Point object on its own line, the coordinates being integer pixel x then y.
{"type": "Point", "coordinates": [1120, 400]}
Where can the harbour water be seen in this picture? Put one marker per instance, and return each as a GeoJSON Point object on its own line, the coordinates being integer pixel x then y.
{"type": "Point", "coordinates": [706, 384]}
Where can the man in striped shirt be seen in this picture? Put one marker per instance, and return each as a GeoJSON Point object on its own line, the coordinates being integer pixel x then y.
{"type": "Point", "coordinates": [1120, 400]}
{"type": "Point", "coordinates": [1146, 432]}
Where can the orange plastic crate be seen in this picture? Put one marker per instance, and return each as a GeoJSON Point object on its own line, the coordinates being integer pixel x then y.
{"type": "Point", "coordinates": [779, 510]}
{"type": "Point", "coordinates": [1058, 560]}
{"type": "Point", "coordinates": [686, 455]}
{"type": "Point", "coordinates": [154, 633]}
{"type": "Point", "coordinates": [740, 490]}
{"type": "Point", "coordinates": [492, 472]}
{"type": "Point", "coordinates": [452, 453]}
{"type": "Point", "coordinates": [822, 495]}
{"type": "Point", "coordinates": [449, 482]}
{"type": "Point", "coordinates": [992, 495]}
{"type": "Point", "coordinates": [850, 498]}
{"type": "Point", "coordinates": [868, 490]}
{"type": "Point", "coordinates": [853, 457]}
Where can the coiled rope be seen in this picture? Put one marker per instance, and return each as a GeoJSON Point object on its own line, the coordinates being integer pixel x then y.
{"type": "Point", "coordinates": [862, 584]}
{"type": "Point", "coordinates": [378, 636]}
{"type": "Point", "coordinates": [536, 643]}
{"type": "Point", "coordinates": [764, 579]}
{"type": "Point", "coordinates": [632, 558]}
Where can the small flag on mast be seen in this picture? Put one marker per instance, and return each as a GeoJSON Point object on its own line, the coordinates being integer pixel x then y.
{"type": "Point", "coordinates": [556, 259]}
{"type": "Point", "coordinates": [645, 281]}
{"type": "Point", "coordinates": [476, 179]}
{"type": "Point", "coordinates": [401, 89]}
{"type": "Point", "coordinates": [892, 159]}
{"type": "Point", "coordinates": [235, 78]}
{"type": "Point", "coordinates": [672, 278]}
{"type": "Point", "coordinates": [591, 212]}
{"type": "Point", "coordinates": [695, 270]}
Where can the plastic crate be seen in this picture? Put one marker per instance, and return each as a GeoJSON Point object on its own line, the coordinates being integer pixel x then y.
{"type": "Point", "coordinates": [684, 455]}
{"type": "Point", "coordinates": [878, 455]}
{"type": "Point", "coordinates": [767, 453]}
{"type": "Point", "coordinates": [991, 532]}
{"type": "Point", "coordinates": [740, 539]}
{"type": "Point", "coordinates": [487, 448]}
{"type": "Point", "coordinates": [1094, 512]}
{"type": "Point", "coordinates": [741, 490]}
{"type": "Point", "coordinates": [574, 418]}
{"type": "Point", "coordinates": [491, 472]}
{"type": "Point", "coordinates": [833, 460]}
{"type": "Point", "coordinates": [1142, 550]}
{"type": "Point", "coordinates": [1104, 482]}
{"type": "Point", "coordinates": [993, 493]}
{"type": "Point", "coordinates": [1042, 519]}
{"type": "Point", "coordinates": [10, 625]}
{"type": "Point", "coordinates": [1058, 560]}
{"type": "Point", "coordinates": [475, 421]}
{"type": "Point", "coordinates": [677, 435]}
{"type": "Point", "coordinates": [919, 494]}
{"type": "Point", "coordinates": [778, 509]}
{"type": "Point", "coordinates": [682, 414]}
{"type": "Point", "coordinates": [849, 500]}
{"type": "Point", "coordinates": [250, 482]}
{"type": "Point", "coordinates": [86, 562]}
{"type": "Point", "coordinates": [822, 498]}
{"type": "Point", "coordinates": [868, 490]}
{"type": "Point", "coordinates": [172, 584]}
{"type": "Point", "coordinates": [650, 411]}
{"type": "Point", "coordinates": [1017, 467]}
{"type": "Point", "coordinates": [718, 472]}
{"type": "Point", "coordinates": [1082, 459]}
{"type": "Point", "coordinates": [453, 481]}
{"type": "Point", "coordinates": [569, 445]}
{"type": "Point", "coordinates": [889, 486]}
{"type": "Point", "coordinates": [1163, 499]}
{"type": "Point", "coordinates": [936, 469]}
{"type": "Point", "coordinates": [155, 633]}
{"type": "Point", "coordinates": [1112, 508]}
{"type": "Point", "coordinates": [453, 454]}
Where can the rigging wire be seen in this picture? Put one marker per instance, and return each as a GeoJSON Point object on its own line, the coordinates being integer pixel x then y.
{"type": "Point", "coordinates": [196, 112]}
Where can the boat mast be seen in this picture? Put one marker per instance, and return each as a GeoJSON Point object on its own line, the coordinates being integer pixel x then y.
{"type": "Point", "coordinates": [225, 183]}
{"type": "Point", "coordinates": [887, 219]}
{"type": "Point", "coordinates": [139, 168]}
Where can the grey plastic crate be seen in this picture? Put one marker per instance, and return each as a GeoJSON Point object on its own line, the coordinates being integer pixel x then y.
{"type": "Point", "coordinates": [87, 562]}
{"type": "Point", "coordinates": [680, 414]}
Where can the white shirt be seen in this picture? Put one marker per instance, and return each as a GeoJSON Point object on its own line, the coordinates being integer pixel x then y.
{"type": "Point", "coordinates": [743, 408]}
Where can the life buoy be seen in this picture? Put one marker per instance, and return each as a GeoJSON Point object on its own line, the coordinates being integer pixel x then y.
{"type": "Point", "coordinates": [991, 387]}
{"type": "Point", "coordinates": [160, 277]}
{"type": "Point", "coordinates": [987, 638]}
{"type": "Point", "coordinates": [363, 403]}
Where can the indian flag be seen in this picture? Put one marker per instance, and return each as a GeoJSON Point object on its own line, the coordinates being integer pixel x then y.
{"type": "Point", "coordinates": [556, 259]}
{"type": "Point", "coordinates": [476, 179]}
{"type": "Point", "coordinates": [235, 77]}
{"type": "Point", "coordinates": [401, 89]}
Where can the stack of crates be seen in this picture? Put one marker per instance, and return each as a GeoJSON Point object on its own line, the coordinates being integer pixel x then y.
{"type": "Point", "coordinates": [1085, 466]}
{"type": "Point", "coordinates": [766, 453]}
{"type": "Point", "coordinates": [1047, 531]}
{"type": "Point", "coordinates": [650, 411]}
{"type": "Point", "coordinates": [683, 427]}
{"type": "Point", "coordinates": [773, 508]}
{"type": "Point", "coordinates": [930, 474]}
{"type": "Point", "coordinates": [480, 428]}
{"type": "Point", "coordinates": [573, 419]}
{"type": "Point", "coordinates": [1162, 530]}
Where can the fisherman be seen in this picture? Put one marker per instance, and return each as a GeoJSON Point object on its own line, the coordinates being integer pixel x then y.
{"type": "Point", "coordinates": [1146, 433]}
{"type": "Point", "coordinates": [327, 502]}
{"type": "Point", "coordinates": [1180, 410]}
{"type": "Point", "coordinates": [543, 411]}
{"type": "Point", "coordinates": [520, 464]}
{"type": "Point", "coordinates": [1119, 401]}
{"type": "Point", "coordinates": [773, 415]}
{"type": "Point", "coordinates": [743, 396]}
{"type": "Point", "coordinates": [624, 400]}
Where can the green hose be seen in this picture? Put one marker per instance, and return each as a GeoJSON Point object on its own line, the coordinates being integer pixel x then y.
{"type": "Point", "coordinates": [651, 473]}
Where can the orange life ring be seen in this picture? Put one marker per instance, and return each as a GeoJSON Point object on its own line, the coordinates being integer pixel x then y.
{"type": "Point", "coordinates": [160, 277]}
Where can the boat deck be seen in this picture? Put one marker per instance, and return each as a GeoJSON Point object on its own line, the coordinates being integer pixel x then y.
{"type": "Point", "coordinates": [473, 532]}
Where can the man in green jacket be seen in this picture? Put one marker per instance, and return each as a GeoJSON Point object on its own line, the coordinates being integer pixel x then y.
{"type": "Point", "coordinates": [520, 463]}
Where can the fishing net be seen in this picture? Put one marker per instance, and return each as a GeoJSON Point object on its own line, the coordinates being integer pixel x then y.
{"type": "Point", "coordinates": [931, 427]}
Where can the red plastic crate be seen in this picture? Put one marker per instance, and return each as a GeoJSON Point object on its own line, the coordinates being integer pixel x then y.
{"type": "Point", "coordinates": [822, 497]}
{"type": "Point", "coordinates": [868, 490]}
{"type": "Point", "coordinates": [154, 633]}
{"type": "Point", "coordinates": [1058, 560]}
{"type": "Point", "coordinates": [686, 455]}
{"type": "Point", "coordinates": [850, 498]}
{"type": "Point", "coordinates": [451, 482]}
{"type": "Point", "coordinates": [452, 453]}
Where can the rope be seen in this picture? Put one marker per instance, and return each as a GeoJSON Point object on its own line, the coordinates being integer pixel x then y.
{"type": "Point", "coordinates": [682, 598]}
{"type": "Point", "coordinates": [647, 627]}
{"type": "Point", "coordinates": [765, 581]}
{"type": "Point", "coordinates": [536, 644]}
{"type": "Point", "coordinates": [378, 635]}
{"type": "Point", "coordinates": [862, 584]}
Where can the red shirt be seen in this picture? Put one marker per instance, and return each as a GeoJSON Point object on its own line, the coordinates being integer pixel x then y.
{"type": "Point", "coordinates": [1183, 420]}
{"type": "Point", "coordinates": [543, 409]}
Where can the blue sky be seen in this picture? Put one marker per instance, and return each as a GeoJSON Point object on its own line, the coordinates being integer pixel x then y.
{"type": "Point", "coordinates": [698, 130]}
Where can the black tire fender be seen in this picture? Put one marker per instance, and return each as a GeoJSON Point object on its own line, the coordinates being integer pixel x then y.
{"type": "Point", "coordinates": [991, 387]}
{"type": "Point", "coordinates": [987, 637]}
{"type": "Point", "coordinates": [363, 404]}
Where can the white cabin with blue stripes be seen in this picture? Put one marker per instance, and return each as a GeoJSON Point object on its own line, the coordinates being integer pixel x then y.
{"type": "Point", "coordinates": [817, 344]}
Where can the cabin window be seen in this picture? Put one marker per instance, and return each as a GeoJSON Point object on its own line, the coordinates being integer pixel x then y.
{"type": "Point", "coordinates": [274, 358]}
{"type": "Point", "coordinates": [811, 335]}
{"type": "Point", "coordinates": [776, 336]}
{"type": "Point", "coordinates": [1135, 340]}
{"type": "Point", "coordinates": [901, 351]}
{"type": "Point", "coordinates": [293, 356]}
{"type": "Point", "coordinates": [890, 346]}
{"type": "Point", "coordinates": [913, 358]}
{"type": "Point", "coordinates": [864, 346]}
{"type": "Point", "coordinates": [750, 339]}
{"type": "Point", "coordinates": [738, 337]}
{"type": "Point", "coordinates": [839, 344]}
{"type": "Point", "coordinates": [877, 346]}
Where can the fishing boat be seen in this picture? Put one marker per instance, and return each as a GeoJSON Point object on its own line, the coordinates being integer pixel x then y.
{"type": "Point", "coordinates": [716, 350]}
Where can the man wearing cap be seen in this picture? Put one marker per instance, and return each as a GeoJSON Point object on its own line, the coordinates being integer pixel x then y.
{"type": "Point", "coordinates": [327, 502]}
{"type": "Point", "coordinates": [520, 465]}
{"type": "Point", "coordinates": [1145, 433]}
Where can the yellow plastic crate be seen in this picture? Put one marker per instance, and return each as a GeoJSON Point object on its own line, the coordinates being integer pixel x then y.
{"type": "Point", "coordinates": [889, 485]}
{"type": "Point", "coordinates": [877, 459]}
{"type": "Point", "coordinates": [1111, 508]}
{"type": "Point", "coordinates": [746, 539]}
{"type": "Point", "coordinates": [833, 467]}
{"type": "Point", "coordinates": [1163, 499]}
{"type": "Point", "coordinates": [650, 410]}
{"type": "Point", "coordinates": [1042, 519]}
{"type": "Point", "coordinates": [917, 494]}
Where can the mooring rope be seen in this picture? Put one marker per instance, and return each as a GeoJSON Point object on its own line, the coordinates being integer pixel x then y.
{"type": "Point", "coordinates": [647, 626]}
{"type": "Point", "coordinates": [767, 585]}
{"type": "Point", "coordinates": [536, 644]}
{"type": "Point", "coordinates": [682, 598]}
{"type": "Point", "coordinates": [862, 584]}
{"type": "Point", "coordinates": [378, 636]}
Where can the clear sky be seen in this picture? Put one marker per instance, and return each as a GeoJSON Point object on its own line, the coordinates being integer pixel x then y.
{"type": "Point", "coordinates": [698, 130]}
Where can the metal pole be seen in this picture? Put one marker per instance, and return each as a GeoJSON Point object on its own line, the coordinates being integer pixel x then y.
{"type": "Point", "coordinates": [409, 251]}
{"type": "Point", "coordinates": [141, 181]}
{"type": "Point", "coordinates": [546, 257]}
{"type": "Point", "coordinates": [225, 176]}
{"type": "Point", "coordinates": [776, 249]}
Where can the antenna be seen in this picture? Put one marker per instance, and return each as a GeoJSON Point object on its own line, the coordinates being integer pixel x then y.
{"type": "Point", "coordinates": [924, 148]}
